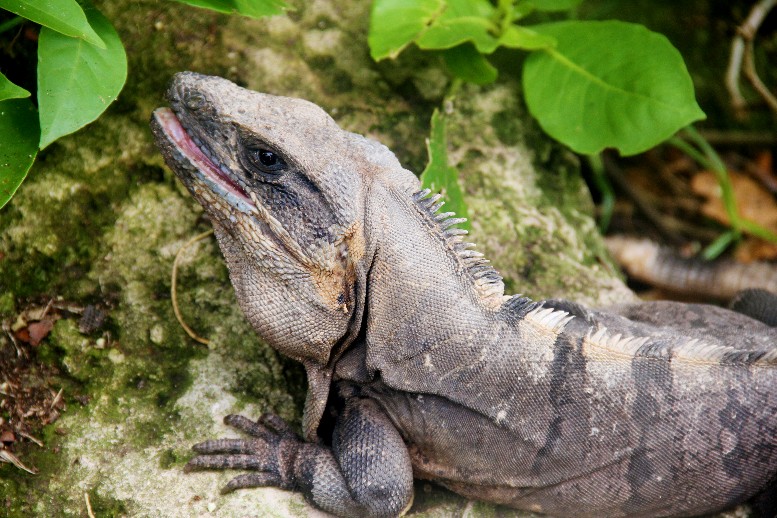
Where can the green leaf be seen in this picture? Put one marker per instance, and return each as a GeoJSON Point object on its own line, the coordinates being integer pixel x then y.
{"type": "Point", "coordinates": [516, 37]}
{"type": "Point", "coordinates": [8, 90]}
{"type": "Point", "coordinates": [466, 63]}
{"type": "Point", "coordinates": [520, 11]}
{"type": "Point", "coordinates": [609, 84]}
{"type": "Point", "coordinates": [462, 21]}
{"type": "Point", "coordinates": [19, 145]}
{"type": "Point", "coordinates": [396, 23]}
{"type": "Point", "coordinates": [438, 175]}
{"type": "Point", "coordinates": [76, 81]}
{"type": "Point", "coordinates": [439, 25]}
{"type": "Point", "coordinates": [555, 5]}
{"type": "Point", "coordinates": [250, 8]}
{"type": "Point", "coordinates": [63, 16]}
{"type": "Point", "coordinates": [449, 33]}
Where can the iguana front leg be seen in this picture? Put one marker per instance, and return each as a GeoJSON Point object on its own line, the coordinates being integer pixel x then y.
{"type": "Point", "coordinates": [366, 473]}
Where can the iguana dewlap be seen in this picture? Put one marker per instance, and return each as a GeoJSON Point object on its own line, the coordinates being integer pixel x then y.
{"type": "Point", "coordinates": [425, 368]}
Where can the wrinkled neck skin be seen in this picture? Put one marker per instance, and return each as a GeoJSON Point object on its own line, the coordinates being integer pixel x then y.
{"type": "Point", "coordinates": [419, 296]}
{"type": "Point", "coordinates": [247, 274]}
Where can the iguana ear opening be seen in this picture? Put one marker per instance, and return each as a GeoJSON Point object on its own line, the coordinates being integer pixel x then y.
{"type": "Point", "coordinates": [319, 381]}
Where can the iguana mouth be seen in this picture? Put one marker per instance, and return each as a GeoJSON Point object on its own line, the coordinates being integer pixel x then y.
{"type": "Point", "coordinates": [178, 136]}
{"type": "Point", "coordinates": [209, 172]}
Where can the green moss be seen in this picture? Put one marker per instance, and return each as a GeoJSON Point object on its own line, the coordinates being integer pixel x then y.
{"type": "Point", "coordinates": [319, 63]}
{"type": "Point", "coordinates": [7, 303]}
{"type": "Point", "coordinates": [77, 353]}
{"type": "Point", "coordinates": [508, 128]}
{"type": "Point", "coordinates": [341, 82]}
{"type": "Point", "coordinates": [106, 507]}
{"type": "Point", "coordinates": [264, 381]}
{"type": "Point", "coordinates": [169, 458]}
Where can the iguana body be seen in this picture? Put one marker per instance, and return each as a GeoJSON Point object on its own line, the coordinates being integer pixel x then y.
{"type": "Point", "coordinates": [338, 261]}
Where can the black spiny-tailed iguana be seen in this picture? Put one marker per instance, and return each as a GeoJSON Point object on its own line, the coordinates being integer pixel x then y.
{"type": "Point", "coordinates": [429, 370]}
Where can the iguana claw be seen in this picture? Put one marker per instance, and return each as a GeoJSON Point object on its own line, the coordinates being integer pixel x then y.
{"type": "Point", "coordinates": [270, 452]}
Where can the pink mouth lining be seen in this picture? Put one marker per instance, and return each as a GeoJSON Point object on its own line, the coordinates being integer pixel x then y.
{"type": "Point", "coordinates": [178, 135]}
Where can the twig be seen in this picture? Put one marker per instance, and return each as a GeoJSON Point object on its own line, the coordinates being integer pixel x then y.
{"type": "Point", "coordinates": [752, 75]}
{"type": "Point", "coordinates": [173, 283]}
{"type": "Point", "coordinates": [88, 505]}
{"type": "Point", "coordinates": [741, 59]}
{"type": "Point", "coordinates": [7, 456]}
{"type": "Point", "coordinates": [46, 309]}
{"type": "Point", "coordinates": [738, 102]}
{"type": "Point", "coordinates": [9, 332]}
{"type": "Point", "coordinates": [56, 399]}
{"type": "Point", "coordinates": [31, 438]}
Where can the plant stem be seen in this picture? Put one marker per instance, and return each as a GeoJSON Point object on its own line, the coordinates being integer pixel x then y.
{"type": "Point", "coordinates": [453, 90]}
{"type": "Point", "coordinates": [707, 157]}
{"type": "Point", "coordinates": [504, 10]}
{"type": "Point", "coordinates": [605, 189]}
{"type": "Point", "coordinates": [714, 249]}
{"type": "Point", "coordinates": [10, 24]}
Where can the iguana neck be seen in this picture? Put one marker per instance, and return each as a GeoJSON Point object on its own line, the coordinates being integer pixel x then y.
{"type": "Point", "coordinates": [430, 272]}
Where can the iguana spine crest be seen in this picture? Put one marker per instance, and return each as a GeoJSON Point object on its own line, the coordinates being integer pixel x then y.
{"type": "Point", "coordinates": [693, 350]}
{"type": "Point", "coordinates": [485, 279]}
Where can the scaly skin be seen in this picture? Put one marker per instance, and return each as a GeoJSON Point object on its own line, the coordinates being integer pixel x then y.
{"type": "Point", "coordinates": [654, 409]}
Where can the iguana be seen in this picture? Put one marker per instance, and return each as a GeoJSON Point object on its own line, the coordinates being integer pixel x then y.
{"type": "Point", "coordinates": [419, 366]}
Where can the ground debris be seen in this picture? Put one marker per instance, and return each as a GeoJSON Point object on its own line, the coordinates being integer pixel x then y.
{"type": "Point", "coordinates": [31, 392]}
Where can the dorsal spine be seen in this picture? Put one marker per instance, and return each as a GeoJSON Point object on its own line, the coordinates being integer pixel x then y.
{"type": "Point", "coordinates": [485, 279]}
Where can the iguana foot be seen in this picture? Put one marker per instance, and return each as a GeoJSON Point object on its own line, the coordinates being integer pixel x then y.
{"type": "Point", "coordinates": [366, 473]}
{"type": "Point", "coordinates": [269, 453]}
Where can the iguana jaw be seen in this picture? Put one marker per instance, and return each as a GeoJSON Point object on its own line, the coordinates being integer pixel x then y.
{"type": "Point", "coordinates": [165, 123]}
{"type": "Point", "coordinates": [169, 130]}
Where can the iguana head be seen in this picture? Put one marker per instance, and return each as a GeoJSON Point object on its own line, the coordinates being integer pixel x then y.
{"type": "Point", "coordinates": [285, 188]}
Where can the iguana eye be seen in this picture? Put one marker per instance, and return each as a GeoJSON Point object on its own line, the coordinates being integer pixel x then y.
{"type": "Point", "coordinates": [265, 160]}
{"type": "Point", "coordinates": [194, 100]}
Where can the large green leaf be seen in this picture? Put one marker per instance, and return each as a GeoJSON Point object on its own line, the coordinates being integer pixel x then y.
{"type": "Point", "coordinates": [8, 90]}
{"type": "Point", "coordinates": [609, 84]}
{"type": "Point", "coordinates": [438, 175]}
{"type": "Point", "coordinates": [77, 81]}
{"type": "Point", "coordinates": [396, 23]}
{"type": "Point", "coordinates": [250, 8]}
{"type": "Point", "coordinates": [19, 145]}
{"type": "Point", "coordinates": [63, 16]}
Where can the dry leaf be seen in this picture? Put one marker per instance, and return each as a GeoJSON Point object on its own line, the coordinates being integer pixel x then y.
{"type": "Point", "coordinates": [753, 249]}
{"type": "Point", "coordinates": [39, 330]}
{"type": "Point", "coordinates": [753, 201]}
